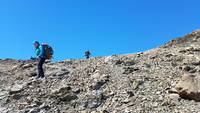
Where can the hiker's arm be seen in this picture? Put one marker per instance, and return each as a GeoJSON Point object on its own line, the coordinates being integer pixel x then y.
{"type": "Point", "coordinates": [32, 58]}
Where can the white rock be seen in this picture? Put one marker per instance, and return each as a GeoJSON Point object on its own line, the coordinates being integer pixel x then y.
{"type": "Point", "coordinates": [16, 89]}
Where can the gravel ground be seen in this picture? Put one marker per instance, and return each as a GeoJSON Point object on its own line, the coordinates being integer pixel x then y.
{"type": "Point", "coordinates": [133, 83]}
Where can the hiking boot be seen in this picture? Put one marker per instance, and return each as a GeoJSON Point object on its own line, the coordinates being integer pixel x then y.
{"type": "Point", "coordinates": [36, 79]}
{"type": "Point", "coordinates": [43, 80]}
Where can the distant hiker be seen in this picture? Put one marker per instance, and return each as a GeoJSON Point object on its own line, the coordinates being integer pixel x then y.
{"type": "Point", "coordinates": [40, 57]}
{"type": "Point", "coordinates": [87, 54]}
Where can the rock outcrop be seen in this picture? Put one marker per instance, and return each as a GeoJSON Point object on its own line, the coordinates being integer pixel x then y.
{"type": "Point", "coordinates": [187, 88]}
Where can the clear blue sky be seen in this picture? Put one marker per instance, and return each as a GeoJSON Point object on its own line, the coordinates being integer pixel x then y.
{"type": "Point", "coordinates": [105, 27]}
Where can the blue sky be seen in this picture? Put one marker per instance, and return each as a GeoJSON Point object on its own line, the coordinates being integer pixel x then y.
{"type": "Point", "coordinates": [106, 27]}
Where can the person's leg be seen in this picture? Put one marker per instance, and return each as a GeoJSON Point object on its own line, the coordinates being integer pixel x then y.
{"type": "Point", "coordinates": [40, 69]}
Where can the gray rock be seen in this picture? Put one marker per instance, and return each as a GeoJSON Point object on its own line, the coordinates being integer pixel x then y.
{"type": "Point", "coordinates": [188, 87]}
{"type": "Point", "coordinates": [15, 89]}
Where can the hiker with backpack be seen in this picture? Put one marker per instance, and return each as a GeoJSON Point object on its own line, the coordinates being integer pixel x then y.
{"type": "Point", "coordinates": [40, 57]}
{"type": "Point", "coordinates": [87, 54]}
{"type": "Point", "coordinates": [43, 52]}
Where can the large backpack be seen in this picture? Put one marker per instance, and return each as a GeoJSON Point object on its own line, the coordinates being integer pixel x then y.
{"type": "Point", "coordinates": [48, 51]}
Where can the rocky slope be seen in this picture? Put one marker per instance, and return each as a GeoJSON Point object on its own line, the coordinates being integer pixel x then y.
{"type": "Point", "coordinates": [134, 83]}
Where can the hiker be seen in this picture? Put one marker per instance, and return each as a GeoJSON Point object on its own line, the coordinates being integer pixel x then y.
{"type": "Point", "coordinates": [40, 57]}
{"type": "Point", "coordinates": [87, 54]}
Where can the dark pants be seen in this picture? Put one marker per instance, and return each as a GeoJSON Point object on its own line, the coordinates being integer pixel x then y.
{"type": "Point", "coordinates": [40, 69]}
{"type": "Point", "coordinates": [87, 57]}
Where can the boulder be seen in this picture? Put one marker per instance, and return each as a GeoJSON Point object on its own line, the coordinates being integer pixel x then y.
{"type": "Point", "coordinates": [63, 94]}
{"type": "Point", "coordinates": [27, 66]}
{"type": "Point", "coordinates": [68, 97]}
{"type": "Point", "coordinates": [15, 89]}
{"type": "Point", "coordinates": [174, 96]}
{"type": "Point", "coordinates": [187, 87]}
{"type": "Point", "coordinates": [65, 89]}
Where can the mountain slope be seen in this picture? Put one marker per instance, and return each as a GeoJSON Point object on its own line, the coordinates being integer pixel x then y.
{"type": "Point", "coordinates": [134, 83]}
